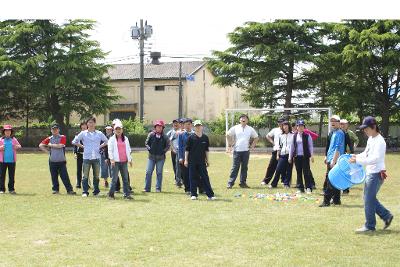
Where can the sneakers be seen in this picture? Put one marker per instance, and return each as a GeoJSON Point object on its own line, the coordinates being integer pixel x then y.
{"type": "Point", "coordinates": [364, 230]}
{"type": "Point", "coordinates": [323, 205]}
{"type": "Point", "coordinates": [2, 192]}
{"type": "Point", "coordinates": [128, 197]}
{"type": "Point", "coordinates": [244, 185]}
{"type": "Point", "coordinates": [193, 198]}
{"type": "Point", "coordinates": [84, 195]}
{"type": "Point", "coordinates": [212, 198]}
{"type": "Point", "coordinates": [263, 183]}
{"type": "Point", "coordinates": [270, 186]}
{"type": "Point", "coordinates": [71, 193]}
{"type": "Point", "coordinates": [308, 191]}
{"type": "Point", "coordinates": [158, 190]}
{"type": "Point", "coordinates": [55, 192]}
{"type": "Point", "coordinates": [388, 222]}
{"type": "Point", "coordinates": [145, 191]}
{"type": "Point", "coordinates": [111, 197]}
{"type": "Point", "coordinates": [287, 187]}
{"type": "Point", "coordinates": [78, 187]}
{"type": "Point", "coordinates": [12, 192]}
{"type": "Point", "coordinates": [229, 186]}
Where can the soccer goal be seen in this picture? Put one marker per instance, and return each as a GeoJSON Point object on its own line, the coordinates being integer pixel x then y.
{"type": "Point", "coordinates": [264, 119]}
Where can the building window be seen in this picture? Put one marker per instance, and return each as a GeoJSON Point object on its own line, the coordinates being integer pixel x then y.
{"type": "Point", "coordinates": [122, 115]}
{"type": "Point", "coordinates": [160, 88]}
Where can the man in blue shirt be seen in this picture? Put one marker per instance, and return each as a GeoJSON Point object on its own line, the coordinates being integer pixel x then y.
{"type": "Point", "coordinates": [91, 139]}
{"type": "Point", "coordinates": [182, 141]}
{"type": "Point", "coordinates": [335, 149]}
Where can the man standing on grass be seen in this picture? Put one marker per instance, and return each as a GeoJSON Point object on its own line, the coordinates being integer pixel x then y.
{"type": "Point", "coordinates": [55, 146]}
{"type": "Point", "coordinates": [273, 138]}
{"type": "Point", "coordinates": [182, 140]}
{"type": "Point", "coordinates": [239, 137]}
{"type": "Point", "coordinates": [334, 150]}
{"type": "Point", "coordinates": [173, 137]}
{"type": "Point", "coordinates": [197, 160]}
{"type": "Point", "coordinates": [91, 140]}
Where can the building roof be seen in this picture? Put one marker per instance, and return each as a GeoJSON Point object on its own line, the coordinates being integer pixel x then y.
{"type": "Point", "coordinates": [165, 70]}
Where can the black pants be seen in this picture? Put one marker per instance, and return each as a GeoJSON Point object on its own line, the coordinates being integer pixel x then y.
{"type": "Point", "coordinates": [173, 159]}
{"type": "Point", "coordinates": [281, 171]}
{"type": "Point", "coordinates": [196, 171]}
{"type": "Point", "coordinates": [11, 176]}
{"type": "Point", "coordinates": [59, 168]}
{"type": "Point", "coordinates": [303, 169]}
{"type": "Point", "coordinates": [185, 177]}
{"type": "Point", "coordinates": [331, 192]}
{"type": "Point", "coordinates": [271, 167]}
{"type": "Point", "coordinates": [79, 166]}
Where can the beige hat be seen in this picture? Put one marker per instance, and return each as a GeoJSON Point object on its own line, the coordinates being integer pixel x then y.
{"type": "Point", "coordinates": [335, 117]}
{"type": "Point", "coordinates": [344, 121]}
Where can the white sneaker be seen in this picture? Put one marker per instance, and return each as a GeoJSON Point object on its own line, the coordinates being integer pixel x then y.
{"type": "Point", "coordinates": [212, 198]}
{"type": "Point", "coordinates": [308, 191]}
{"type": "Point", "coordinates": [263, 183]}
{"type": "Point", "coordinates": [84, 195]}
{"type": "Point", "coordinates": [193, 198]}
{"type": "Point", "coordinates": [2, 192]}
{"type": "Point", "coordinates": [270, 186]}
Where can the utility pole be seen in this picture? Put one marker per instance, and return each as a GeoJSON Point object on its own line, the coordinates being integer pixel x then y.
{"type": "Point", "coordinates": [180, 110]}
{"type": "Point", "coordinates": [141, 33]}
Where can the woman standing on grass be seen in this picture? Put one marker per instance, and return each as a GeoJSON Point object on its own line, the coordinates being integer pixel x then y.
{"type": "Point", "coordinates": [119, 153]}
{"type": "Point", "coordinates": [373, 158]}
{"type": "Point", "coordinates": [301, 152]}
{"type": "Point", "coordinates": [8, 157]}
{"type": "Point", "coordinates": [285, 143]}
{"type": "Point", "coordinates": [105, 166]}
{"type": "Point", "coordinates": [78, 154]}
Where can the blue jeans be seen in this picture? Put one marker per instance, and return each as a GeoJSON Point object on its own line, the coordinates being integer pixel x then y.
{"type": "Point", "coordinates": [105, 168]}
{"type": "Point", "coordinates": [95, 165]}
{"type": "Point", "coordinates": [159, 164]}
{"type": "Point", "coordinates": [373, 183]}
{"type": "Point", "coordinates": [121, 167]}
{"type": "Point", "coordinates": [240, 160]}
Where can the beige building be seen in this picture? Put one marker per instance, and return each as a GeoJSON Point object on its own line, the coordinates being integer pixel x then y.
{"type": "Point", "coordinates": [201, 98]}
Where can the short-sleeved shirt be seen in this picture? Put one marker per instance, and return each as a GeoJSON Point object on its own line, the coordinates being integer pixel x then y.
{"type": "Point", "coordinates": [8, 151]}
{"type": "Point", "coordinates": [242, 137]}
{"type": "Point", "coordinates": [275, 133]}
{"type": "Point", "coordinates": [56, 154]}
{"type": "Point", "coordinates": [197, 148]}
{"type": "Point", "coordinates": [336, 144]}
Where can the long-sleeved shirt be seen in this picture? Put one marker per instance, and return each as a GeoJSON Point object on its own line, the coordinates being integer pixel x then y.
{"type": "Point", "coordinates": [157, 144]}
{"type": "Point", "coordinates": [182, 140]}
{"type": "Point", "coordinates": [300, 150]}
{"type": "Point", "coordinates": [336, 144]}
{"type": "Point", "coordinates": [173, 137]}
{"type": "Point", "coordinates": [373, 156]}
{"type": "Point", "coordinates": [91, 141]}
{"type": "Point", "coordinates": [285, 143]}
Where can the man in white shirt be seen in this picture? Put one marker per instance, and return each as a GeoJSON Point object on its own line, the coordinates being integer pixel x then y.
{"type": "Point", "coordinates": [273, 138]}
{"type": "Point", "coordinates": [242, 138]}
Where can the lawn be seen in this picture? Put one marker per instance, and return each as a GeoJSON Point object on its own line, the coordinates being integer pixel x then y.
{"type": "Point", "coordinates": [167, 229]}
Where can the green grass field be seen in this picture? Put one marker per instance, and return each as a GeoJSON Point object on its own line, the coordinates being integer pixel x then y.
{"type": "Point", "coordinates": [167, 229]}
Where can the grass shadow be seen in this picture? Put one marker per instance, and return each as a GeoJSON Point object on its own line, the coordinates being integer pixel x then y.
{"type": "Point", "coordinates": [352, 206]}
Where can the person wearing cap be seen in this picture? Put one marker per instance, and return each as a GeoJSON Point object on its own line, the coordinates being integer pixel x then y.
{"type": "Point", "coordinates": [55, 146]}
{"type": "Point", "coordinates": [173, 138]}
{"type": "Point", "coordinates": [301, 152]}
{"type": "Point", "coordinates": [92, 140]}
{"type": "Point", "coordinates": [273, 138]}
{"type": "Point", "coordinates": [119, 153]}
{"type": "Point", "coordinates": [105, 166]}
{"type": "Point", "coordinates": [182, 140]}
{"type": "Point", "coordinates": [285, 143]}
{"type": "Point", "coordinates": [239, 137]}
{"type": "Point", "coordinates": [78, 155]}
{"type": "Point", "coordinates": [373, 158]}
{"type": "Point", "coordinates": [335, 148]}
{"type": "Point", "coordinates": [197, 160]}
{"type": "Point", "coordinates": [157, 143]}
{"type": "Point", "coordinates": [8, 158]}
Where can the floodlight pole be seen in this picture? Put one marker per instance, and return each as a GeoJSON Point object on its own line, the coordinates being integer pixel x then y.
{"type": "Point", "coordinates": [141, 54]}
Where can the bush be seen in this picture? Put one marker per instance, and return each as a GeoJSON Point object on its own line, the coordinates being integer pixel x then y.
{"type": "Point", "coordinates": [134, 127]}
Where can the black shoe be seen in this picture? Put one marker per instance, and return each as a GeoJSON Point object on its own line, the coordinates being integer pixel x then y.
{"type": "Point", "coordinates": [96, 194]}
{"type": "Point", "coordinates": [337, 203]}
{"type": "Point", "coordinates": [346, 192]}
{"type": "Point", "coordinates": [244, 185]}
{"type": "Point", "coordinates": [388, 222]}
{"type": "Point", "coordinates": [324, 205]}
{"type": "Point", "coordinates": [71, 193]}
{"type": "Point", "coordinates": [55, 192]}
{"type": "Point", "coordinates": [78, 186]}
{"type": "Point", "coordinates": [111, 196]}
{"type": "Point", "coordinates": [128, 197]}
{"type": "Point", "coordinates": [229, 186]}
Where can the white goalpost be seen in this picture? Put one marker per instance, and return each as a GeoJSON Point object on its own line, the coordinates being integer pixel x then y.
{"type": "Point", "coordinates": [293, 112]}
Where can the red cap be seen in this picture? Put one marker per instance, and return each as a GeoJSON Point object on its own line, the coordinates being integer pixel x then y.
{"type": "Point", "coordinates": [159, 123]}
{"type": "Point", "coordinates": [7, 127]}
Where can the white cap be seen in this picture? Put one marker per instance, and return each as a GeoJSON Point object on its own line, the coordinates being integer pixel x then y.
{"type": "Point", "coordinates": [344, 121]}
{"type": "Point", "coordinates": [116, 121]}
{"type": "Point", "coordinates": [118, 125]}
{"type": "Point", "coordinates": [335, 117]}
{"type": "Point", "coordinates": [108, 127]}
